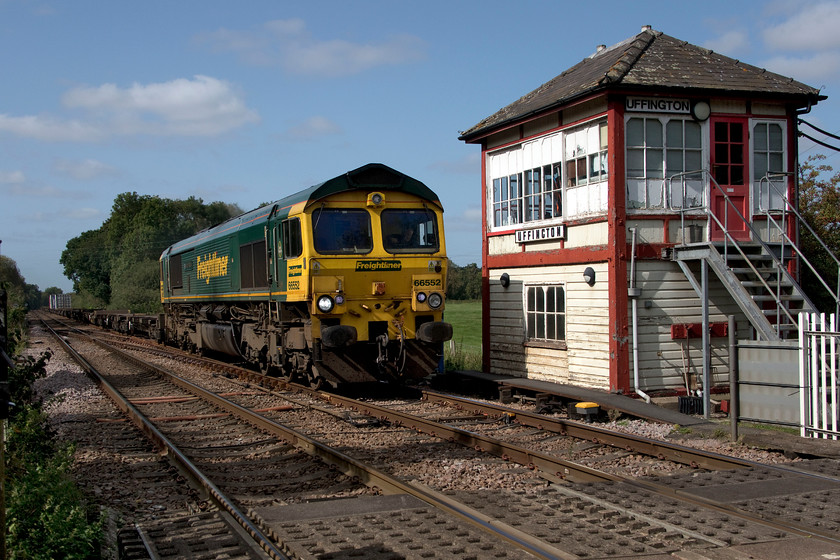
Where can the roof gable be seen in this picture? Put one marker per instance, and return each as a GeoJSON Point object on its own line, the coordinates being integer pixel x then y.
{"type": "Point", "coordinates": [650, 60]}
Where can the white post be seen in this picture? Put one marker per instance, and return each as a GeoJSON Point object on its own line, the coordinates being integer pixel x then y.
{"type": "Point", "coordinates": [803, 360]}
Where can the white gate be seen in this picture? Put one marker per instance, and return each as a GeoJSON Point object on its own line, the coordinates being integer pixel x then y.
{"type": "Point", "coordinates": [819, 376]}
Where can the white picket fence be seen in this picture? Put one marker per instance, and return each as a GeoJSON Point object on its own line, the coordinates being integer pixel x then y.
{"type": "Point", "coordinates": [819, 398]}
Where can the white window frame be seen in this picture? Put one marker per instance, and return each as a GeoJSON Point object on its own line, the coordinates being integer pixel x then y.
{"type": "Point", "coordinates": [549, 156]}
{"type": "Point", "coordinates": [765, 198]}
{"type": "Point", "coordinates": [660, 194]}
{"type": "Point", "coordinates": [545, 313]}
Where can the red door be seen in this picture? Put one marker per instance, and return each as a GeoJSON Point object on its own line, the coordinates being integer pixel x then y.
{"type": "Point", "coordinates": [730, 197]}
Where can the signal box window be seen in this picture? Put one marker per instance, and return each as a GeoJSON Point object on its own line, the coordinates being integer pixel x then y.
{"type": "Point", "coordinates": [292, 243]}
{"type": "Point", "coordinates": [409, 231]}
{"type": "Point", "coordinates": [545, 313]}
{"type": "Point", "coordinates": [338, 231]}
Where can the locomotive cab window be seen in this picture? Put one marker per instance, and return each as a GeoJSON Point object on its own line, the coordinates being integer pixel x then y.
{"type": "Point", "coordinates": [339, 231]}
{"type": "Point", "coordinates": [409, 231]}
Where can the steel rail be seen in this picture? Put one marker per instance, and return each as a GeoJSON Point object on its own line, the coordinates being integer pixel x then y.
{"type": "Point", "coordinates": [693, 457]}
{"type": "Point", "coordinates": [697, 458]}
{"type": "Point", "coordinates": [368, 475]}
{"type": "Point", "coordinates": [552, 468]}
{"type": "Point", "coordinates": [174, 454]}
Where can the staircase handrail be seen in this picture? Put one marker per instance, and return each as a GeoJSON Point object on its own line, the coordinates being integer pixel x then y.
{"type": "Point", "coordinates": [790, 207]}
{"type": "Point", "coordinates": [705, 173]}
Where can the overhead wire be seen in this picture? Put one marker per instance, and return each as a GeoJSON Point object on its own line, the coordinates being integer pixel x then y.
{"type": "Point", "coordinates": [821, 131]}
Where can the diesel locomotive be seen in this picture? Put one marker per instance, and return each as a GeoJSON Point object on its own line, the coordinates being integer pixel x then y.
{"type": "Point", "coordinates": [339, 283]}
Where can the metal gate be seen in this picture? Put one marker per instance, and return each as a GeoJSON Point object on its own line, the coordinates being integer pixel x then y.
{"type": "Point", "coordinates": [819, 376]}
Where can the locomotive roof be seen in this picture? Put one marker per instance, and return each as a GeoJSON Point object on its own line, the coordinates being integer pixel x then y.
{"type": "Point", "coordinates": [373, 176]}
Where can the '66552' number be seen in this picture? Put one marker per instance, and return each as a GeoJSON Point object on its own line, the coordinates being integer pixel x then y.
{"type": "Point", "coordinates": [428, 283]}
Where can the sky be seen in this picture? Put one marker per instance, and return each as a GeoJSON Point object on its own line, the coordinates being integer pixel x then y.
{"type": "Point", "coordinates": [247, 102]}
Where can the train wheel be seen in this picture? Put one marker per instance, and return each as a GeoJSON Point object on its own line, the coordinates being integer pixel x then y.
{"type": "Point", "coordinates": [315, 381]}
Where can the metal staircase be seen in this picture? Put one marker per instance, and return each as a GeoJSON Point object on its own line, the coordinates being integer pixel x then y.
{"type": "Point", "coordinates": [764, 290]}
{"type": "Point", "coordinates": [758, 274]}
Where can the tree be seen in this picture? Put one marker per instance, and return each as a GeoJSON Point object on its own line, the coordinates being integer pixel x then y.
{"type": "Point", "coordinates": [117, 265]}
{"type": "Point", "coordinates": [87, 263]}
{"type": "Point", "coordinates": [463, 283]}
{"type": "Point", "coordinates": [819, 204]}
{"type": "Point", "coordinates": [13, 282]}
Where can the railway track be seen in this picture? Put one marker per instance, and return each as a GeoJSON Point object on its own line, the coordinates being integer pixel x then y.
{"type": "Point", "coordinates": [610, 515]}
{"type": "Point", "coordinates": [153, 406]}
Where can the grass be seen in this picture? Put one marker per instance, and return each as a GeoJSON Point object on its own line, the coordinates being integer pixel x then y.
{"type": "Point", "coordinates": [464, 350]}
{"type": "Point", "coordinates": [772, 428]}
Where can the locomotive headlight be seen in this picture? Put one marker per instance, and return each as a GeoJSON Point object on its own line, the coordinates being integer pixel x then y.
{"type": "Point", "coordinates": [435, 300]}
{"type": "Point", "coordinates": [421, 297]}
{"type": "Point", "coordinates": [375, 199]}
{"type": "Point", "coordinates": [325, 304]}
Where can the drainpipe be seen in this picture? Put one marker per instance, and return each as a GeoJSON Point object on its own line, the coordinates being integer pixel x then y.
{"type": "Point", "coordinates": [633, 293]}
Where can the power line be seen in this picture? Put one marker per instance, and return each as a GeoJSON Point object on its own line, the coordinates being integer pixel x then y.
{"type": "Point", "coordinates": [815, 141]}
{"type": "Point", "coordinates": [819, 130]}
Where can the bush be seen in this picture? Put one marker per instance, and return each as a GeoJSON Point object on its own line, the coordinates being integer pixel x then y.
{"type": "Point", "coordinates": [45, 512]}
{"type": "Point", "coordinates": [45, 515]}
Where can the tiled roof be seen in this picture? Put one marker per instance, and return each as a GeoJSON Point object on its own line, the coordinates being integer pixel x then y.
{"type": "Point", "coordinates": [650, 61]}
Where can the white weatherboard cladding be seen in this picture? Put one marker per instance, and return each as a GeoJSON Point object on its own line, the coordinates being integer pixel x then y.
{"type": "Point", "coordinates": [585, 362]}
{"type": "Point", "coordinates": [667, 298]}
{"type": "Point", "coordinates": [586, 200]}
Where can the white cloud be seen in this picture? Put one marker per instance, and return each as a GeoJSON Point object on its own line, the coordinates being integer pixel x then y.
{"type": "Point", "coordinates": [818, 66]}
{"type": "Point", "coordinates": [83, 170]}
{"type": "Point", "coordinates": [51, 129]}
{"type": "Point", "coordinates": [470, 219]}
{"type": "Point", "coordinates": [473, 214]}
{"type": "Point", "coordinates": [32, 190]}
{"type": "Point", "coordinates": [313, 127]}
{"type": "Point", "coordinates": [203, 106]}
{"type": "Point", "coordinates": [730, 42]}
{"type": "Point", "coordinates": [289, 44]}
{"type": "Point", "coordinates": [12, 177]}
{"type": "Point", "coordinates": [469, 164]}
{"type": "Point", "coordinates": [812, 27]}
{"type": "Point", "coordinates": [76, 214]}
{"type": "Point", "coordinates": [82, 213]}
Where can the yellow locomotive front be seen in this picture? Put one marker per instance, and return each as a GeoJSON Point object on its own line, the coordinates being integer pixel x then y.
{"type": "Point", "coordinates": [373, 274]}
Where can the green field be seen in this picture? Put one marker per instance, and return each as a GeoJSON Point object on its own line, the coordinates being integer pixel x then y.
{"type": "Point", "coordinates": [465, 350]}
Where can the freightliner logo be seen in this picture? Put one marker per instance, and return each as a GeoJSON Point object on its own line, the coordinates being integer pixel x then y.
{"type": "Point", "coordinates": [373, 266]}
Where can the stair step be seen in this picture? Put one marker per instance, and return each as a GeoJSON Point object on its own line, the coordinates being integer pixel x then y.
{"type": "Point", "coordinates": [783, 297]}
{"type": "Point", "coordinates": [748, 270]}
{"type": "Point", "coordinates": [774, 312]}
{"type": "Point", "coordinates": [757, 284]}
{"type": "Point", "coordinates": [737, 256]}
